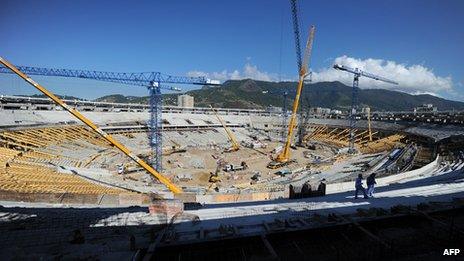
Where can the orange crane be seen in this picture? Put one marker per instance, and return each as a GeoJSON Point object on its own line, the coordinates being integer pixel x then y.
{"type": "Point", "coordinates": [231, 136]}
{"type": "Point", "coordinates": [94, 127]}
{"type": "Point", "coordinates": [284, 157]}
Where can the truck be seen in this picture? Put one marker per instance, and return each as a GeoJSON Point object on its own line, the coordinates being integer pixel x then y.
{"type": "Point", "coordinates": [283, 172]}
{"type": "Point", "coordinates": [231, 167]}
{"type": "Point", "coordinates": [275, 164]}
{"type": "Point", "coordinates": [394, 154]}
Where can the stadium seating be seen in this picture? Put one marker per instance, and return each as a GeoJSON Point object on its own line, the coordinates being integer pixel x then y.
{"type": "Point", "coordinates": [30, 178]}
{"type": "Point", "coordinates": [26, 163]}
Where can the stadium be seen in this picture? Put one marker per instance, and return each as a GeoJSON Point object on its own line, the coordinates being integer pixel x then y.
{"type": "Point", "coordinates": [345, 156]}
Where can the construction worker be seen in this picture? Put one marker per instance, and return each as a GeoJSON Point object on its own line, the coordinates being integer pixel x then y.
{"type": "Point", "coordinates": [120, 169]}
{"type": "Point", "coordinates": [306, 190]}
{"type": "Point", "coordinates": [359, 187]}
{"type": "Point", "coordinates": [291, 192]}
{"type": "Point", "coordinates": [370, 181]}
{"type": "Point", "coordinates": [321, 188]}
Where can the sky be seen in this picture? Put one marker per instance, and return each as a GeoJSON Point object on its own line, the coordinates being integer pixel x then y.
{"type": "Point", "coordinates": [418, 43]}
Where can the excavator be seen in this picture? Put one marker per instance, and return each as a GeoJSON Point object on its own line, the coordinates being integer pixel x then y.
{"type": "Point", "coordinates": [234, 144]}
{"type": "Point", "coordinates": [214, 177]}
{"type": "Point", "coordinates": [283, 158]}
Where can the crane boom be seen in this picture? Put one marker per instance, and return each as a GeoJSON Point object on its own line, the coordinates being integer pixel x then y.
{"type": "Point", "coordinates": [231, 136]}
{"type": "Point", "coordinates": [145, 79]}
{"type": "Point", "coordinates": [308, 51]}
{"type": "Point", "coordinates": [284, 156]}
{"type": "Point", "coordinates": [358, 72]}
{"type": "Point", "coordinates": [94, 127]}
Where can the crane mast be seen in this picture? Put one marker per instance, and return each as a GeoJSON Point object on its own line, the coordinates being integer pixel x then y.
{"type": "Point", "coordinates": [356, 75]}
{"type": "Point", "coordinates": [296, 32]}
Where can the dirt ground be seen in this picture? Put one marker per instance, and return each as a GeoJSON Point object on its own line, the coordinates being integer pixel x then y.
{"type": "Point", "coordinates": [199, 163]}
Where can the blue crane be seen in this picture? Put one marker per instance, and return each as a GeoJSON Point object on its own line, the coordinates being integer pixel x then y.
{"type": "Point", "coordinates": [154, 81]}
{"type": "Point", "coordinates": [296, 32]}
{"type": "Point", "coordinates": [357, 74]}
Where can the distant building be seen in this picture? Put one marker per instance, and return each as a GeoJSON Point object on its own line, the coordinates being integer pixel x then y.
{"type": "Point", "coordinates": [336, 112]}
{"type": "Point", "coordinates": [366, 110]}
{"type": "Point", "coordinates": [426, 108]}
{"type": "Point", "coordinates": [185, 101]}
{"type": "Point", "coordinates": [320, 111]}
{"type": "Point", "coordinates": [273, 109]}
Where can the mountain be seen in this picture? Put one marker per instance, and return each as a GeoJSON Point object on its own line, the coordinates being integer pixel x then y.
{"type": "Point", "coordinates": [119, 98]}
{"type": "Point", "coordinates": [64, 97]}
{"type": "Point", "coordinates": [249, 94]}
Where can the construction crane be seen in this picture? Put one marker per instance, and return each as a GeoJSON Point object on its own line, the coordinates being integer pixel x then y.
{"type": "Point", "coordinates": [154, 81]}
{"type": "Point", "coordinates": [357, 74]}
{"type": "Point", "coordinates": [234, 144]}
{"type": "Point", "coordinates": [93, 126]}
{"type": "Point", "coordinates": [284, 157]}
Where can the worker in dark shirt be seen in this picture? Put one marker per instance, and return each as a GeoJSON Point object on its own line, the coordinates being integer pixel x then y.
{"type": "Point", "coordinates": [321, 188]}
{"type": "Point", "coordinates": [359, 187]}
{"type": "Point", "coordinates": [370, 181]}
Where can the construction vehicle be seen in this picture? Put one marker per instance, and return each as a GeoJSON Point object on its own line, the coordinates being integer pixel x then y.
{"type": "Point", "coordinates": [276, 164]}
{"type": "Point", "coordinates": [231, 167]}
{"type": "Point", "coordinates": [256, 176]}
{"type": "Point", "coordinates": [284, 157]}
{"type": "Point", "coordinates": [176, 148]}
{"type": "Point", "coordinates": [234, 144]}
{"type": "Point", "coordinates": [254, 144]}
{"type": "Point", "coordinates": [214, 177]}
{"type": "Point", "coordinates": [283, 172]}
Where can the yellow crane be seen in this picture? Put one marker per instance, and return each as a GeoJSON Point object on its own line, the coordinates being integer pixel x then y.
{"type": "Point", "coordinates": [94, 127]}
{"type": "Point", "coordinates": [231, 136]}
{"type": "Point", "coordinates": [284, 157]}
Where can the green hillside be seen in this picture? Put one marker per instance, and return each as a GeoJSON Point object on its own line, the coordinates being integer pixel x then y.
{"type": "Point", "coordinates": [249, 94]}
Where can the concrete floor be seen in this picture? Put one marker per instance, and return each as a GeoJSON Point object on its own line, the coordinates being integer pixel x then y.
{"type": "Point", "coordinates": [46, 229]}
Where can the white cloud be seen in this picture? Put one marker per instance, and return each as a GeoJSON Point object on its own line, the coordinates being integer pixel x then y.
{"type": "Point", "coordinates": [413, 79]}
{"type": "Point", "coordinates": [248, 71]}
{"type": "Point", "coordinates": [425, 92]}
